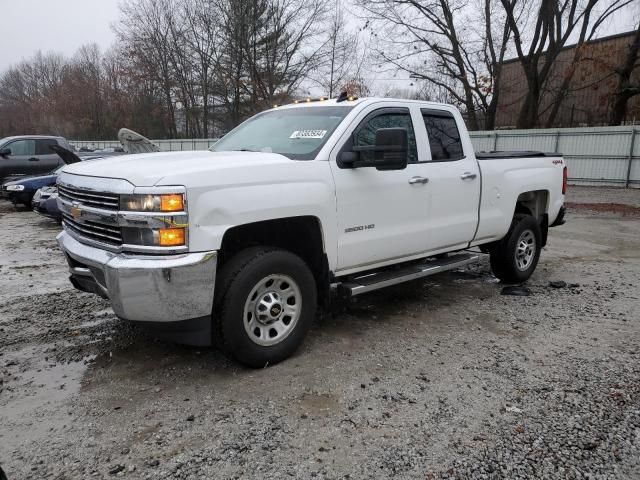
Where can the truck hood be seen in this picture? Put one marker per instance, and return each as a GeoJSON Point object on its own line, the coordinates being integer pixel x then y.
{"type": "Point", "coordinates": [146, 170]}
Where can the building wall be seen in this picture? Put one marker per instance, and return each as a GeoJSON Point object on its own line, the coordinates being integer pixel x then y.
{"type": "Point", "coordinates": [590, 91]}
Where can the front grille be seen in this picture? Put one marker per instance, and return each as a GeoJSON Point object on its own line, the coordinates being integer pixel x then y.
{"type": "Point", "coordinates": [94, 230]}
{"type": "Point", "coordinates": [106, 201]}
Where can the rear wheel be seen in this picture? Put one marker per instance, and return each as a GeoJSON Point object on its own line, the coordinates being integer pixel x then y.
{"type": "Point", "coordinates": [515, 257]}
{"type": "Point", "coordinates": [265, 302]}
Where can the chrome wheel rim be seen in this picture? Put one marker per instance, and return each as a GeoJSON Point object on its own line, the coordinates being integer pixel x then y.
{"type": "Point", "coordinates": [272, 310]}
{"type": "Point", "coordinates": [525, 250]}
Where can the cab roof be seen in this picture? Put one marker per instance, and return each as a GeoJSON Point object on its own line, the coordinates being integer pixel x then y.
{"type": "Point", "coordinates": [315, 102]}
{"type": "Point", "coordinates": [31, 137]}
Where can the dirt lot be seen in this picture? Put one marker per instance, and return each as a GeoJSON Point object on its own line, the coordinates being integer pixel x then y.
{"type": "Point", "coordinates": [444, 378]}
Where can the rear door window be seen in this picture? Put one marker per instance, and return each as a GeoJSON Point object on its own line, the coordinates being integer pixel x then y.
{"type": "Point", "coordinates": [42, 146]}
{"type": "Point", "coordinates": [22, 147]}
{"type": "Point", "coordinates": [444, 137]}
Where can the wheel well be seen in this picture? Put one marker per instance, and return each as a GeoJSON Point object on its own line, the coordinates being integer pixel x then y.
{"type": "Point", "coordinates": [299, 235]}
{"type": "Point", "coordinates": [535, 203]}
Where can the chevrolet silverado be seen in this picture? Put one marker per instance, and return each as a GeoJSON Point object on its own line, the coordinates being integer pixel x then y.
{"type": "Point", "coordinates": [237, 246]}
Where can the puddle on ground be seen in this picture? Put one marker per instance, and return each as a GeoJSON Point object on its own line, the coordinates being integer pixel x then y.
{"type": "Point", "coordinates": [33, 391]}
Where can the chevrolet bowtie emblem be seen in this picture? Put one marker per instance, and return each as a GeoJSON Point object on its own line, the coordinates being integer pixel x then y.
{"type": "Point", "coordinates": [76, 212]}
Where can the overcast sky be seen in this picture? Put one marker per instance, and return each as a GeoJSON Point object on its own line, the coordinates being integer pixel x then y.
{"type": "Point", "coordinates": [58, 25]}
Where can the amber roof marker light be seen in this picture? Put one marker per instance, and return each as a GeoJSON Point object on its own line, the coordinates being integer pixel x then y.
{"type": "Point", "coordinates": [344, 97]}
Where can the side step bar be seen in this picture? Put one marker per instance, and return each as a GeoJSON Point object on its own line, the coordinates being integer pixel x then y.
{"type": "Point", "coordinates": [374, 281]}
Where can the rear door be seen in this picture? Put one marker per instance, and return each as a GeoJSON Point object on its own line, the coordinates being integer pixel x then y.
{"type": "Point", "coordinates": [47, 159]}
{"type": "Point", "coordinates": [382, 215]}
{"type": "Point", "coordinates": [454, 183]}
{"type": "Point", "coordinates": [21, 160]}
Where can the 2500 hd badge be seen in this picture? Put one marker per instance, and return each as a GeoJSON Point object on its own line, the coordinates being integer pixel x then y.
{"type": "Point", "coordinates": [359, 228]}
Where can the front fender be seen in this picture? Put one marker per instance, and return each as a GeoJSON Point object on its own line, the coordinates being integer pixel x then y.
{"type": "Point", "coordinates": [215, 209]}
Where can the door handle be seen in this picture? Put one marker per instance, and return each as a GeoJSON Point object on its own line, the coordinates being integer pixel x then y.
{"type": "Point", "coordinates": [421, 180]}
{"type": "Point", "coordinates": [468, 176]}
{"type": "Point", "coordinates": [34, 159]}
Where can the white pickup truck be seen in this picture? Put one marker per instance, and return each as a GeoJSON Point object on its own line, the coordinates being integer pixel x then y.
{"type": "Point", "coordinates": [238, 245]}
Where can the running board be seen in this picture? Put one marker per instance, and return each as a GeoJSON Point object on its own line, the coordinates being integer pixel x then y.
{"type": "Point", "coordinates": [374, 281]}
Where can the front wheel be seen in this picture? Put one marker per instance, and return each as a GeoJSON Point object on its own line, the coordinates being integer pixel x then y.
{"type": "Point", "coordinates": [515, 257]}
{"type": "Point", "coordinates": [265, 302]}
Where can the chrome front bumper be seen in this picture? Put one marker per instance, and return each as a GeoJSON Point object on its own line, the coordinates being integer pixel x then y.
{"type": "Point", "coordinates": [145, 288]}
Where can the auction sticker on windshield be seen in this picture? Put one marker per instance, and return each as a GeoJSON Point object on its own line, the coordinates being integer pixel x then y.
{"type": "Point", "coordinates": [308, 134]}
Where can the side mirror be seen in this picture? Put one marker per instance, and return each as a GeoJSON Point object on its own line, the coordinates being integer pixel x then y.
{"type": "Point", "coordinates": [392, 146]}
{"type": "Point", "coordinates": [390, 151]}
{"type": "Point", "coordinates": [5, 152]}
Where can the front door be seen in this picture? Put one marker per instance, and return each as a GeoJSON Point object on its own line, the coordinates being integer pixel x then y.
{"type": "Point", "coordinates": [18, 162]}
{"type": "Point", "coordinates": [382, 215]}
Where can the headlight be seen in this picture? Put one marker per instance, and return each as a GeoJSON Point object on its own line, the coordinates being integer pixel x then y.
{"type": "Point", "coordinates": [155, 237]}
{"type": "Point", "coordinates": [171, 202]}
{"type": "Point", "coordinates": [14, 188]}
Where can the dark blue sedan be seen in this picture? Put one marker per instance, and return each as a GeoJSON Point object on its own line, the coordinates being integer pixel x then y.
{"type": "Point", "coordinates": [22, 191]}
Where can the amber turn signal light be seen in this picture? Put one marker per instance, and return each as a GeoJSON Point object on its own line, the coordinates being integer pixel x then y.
{"type": "Point", "coordinates": [171, 203]}
{"type": "Point", "coordinates": [171, 237]}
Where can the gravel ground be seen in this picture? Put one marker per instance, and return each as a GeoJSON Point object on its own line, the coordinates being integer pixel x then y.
{"type": "Point", "coordinates": [444, 378]}
{"type": "Point", "coordinates": [628, 196]}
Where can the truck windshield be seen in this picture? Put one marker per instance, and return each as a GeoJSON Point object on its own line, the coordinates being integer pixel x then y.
{"type": "Point", "coordinates": [297, 133]}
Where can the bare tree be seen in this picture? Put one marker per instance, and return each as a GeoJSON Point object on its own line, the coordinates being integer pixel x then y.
{"type": "Point", "coordinates": [85, 75]}
{"type": "Point", "coordinates": [432, 40]}
{"type": "Point", "coordinates": [146, 31]}
{"type": "Point", "coordinates": [202, 31]}
{"type": "Point", "coordinates": [269, 49]}
{"type": "Point", "coordinates": [628, 86]}
{"type": "Point", "coordinates": [284, 51]}
{"type": "Point", "coordinates": [342, 55]}
{"type": "Point", "coordinates": [29, 93]}
{"type": "Point", "coordinates": [554, 23]}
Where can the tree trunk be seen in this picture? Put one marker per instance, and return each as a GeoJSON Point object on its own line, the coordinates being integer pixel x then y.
{"type": "Point", "coordinates": [205, 114]}
{"type": "Point", "coordinates": [490, 114]}
{"type": "Point", "coordinates": [618, 110]}
{"type": "Point", "coordinates": [528, 116]}
{"type": "Point", "coordinates": [528, 112]}
{"type": "Point", "coordinates": [625, 90]}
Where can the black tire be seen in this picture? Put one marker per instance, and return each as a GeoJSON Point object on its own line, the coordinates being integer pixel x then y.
{"type": "Point", "coordinates": [504, 264]}
{"type": "Point", "coordinates": [236, 281]}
